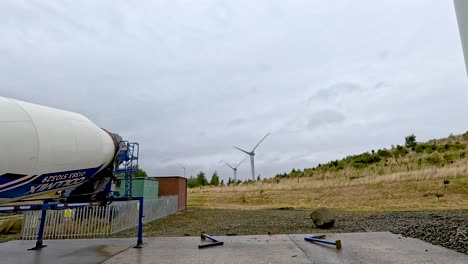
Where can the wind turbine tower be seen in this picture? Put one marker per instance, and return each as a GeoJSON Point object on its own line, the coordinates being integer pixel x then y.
{"type": "Point", "coordinates": [183, 167]}
{"type": "Point", "coordinates": [234, 169]}
{"type": "Point", "coordinates": [252, 155]}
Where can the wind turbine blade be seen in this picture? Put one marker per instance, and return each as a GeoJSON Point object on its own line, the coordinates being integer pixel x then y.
{"type": "Point", "coordinates": [248, 153]}
{"type": "Point", "coordinates": [260, 142]}
{"type": "Point", "coordinates": [228, 165]}
{"type": "Point", "coordinates": [241, 162]}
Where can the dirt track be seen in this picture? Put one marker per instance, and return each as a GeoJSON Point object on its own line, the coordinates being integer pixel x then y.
{"type": "Point", "coordinates": [448, 229]}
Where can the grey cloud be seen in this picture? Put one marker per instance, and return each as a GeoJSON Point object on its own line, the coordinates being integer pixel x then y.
{"type": "Point", "coordinates": [167, 160]}
{"type": "Point", "coordinates": [333, 91]}
{"type": "Point", "coordinates": [384, 54]}
{"type": "Point", "coordinates": [325, 117]}
{"type": "Point", "coordinates": [380, 85]}
{"type": "Point", "coordinates": [237, 121]}
{"type": "Point", "coordinates": [273, 160]}
{"type": "Point", "coordinates": [187, 80]}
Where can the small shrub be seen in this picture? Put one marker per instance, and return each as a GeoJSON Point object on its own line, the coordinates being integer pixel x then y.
{"type": "Point", "coordinates": [384, 153]}
{"type": "Point", "coordinates": [359, 165]}
{"type": "Point", "coordinates": [441, 149]}
{"type": "Point", "coordinates": [419, 148]}
{"type": "Point", "coordinates": [438, 195]}
{"type": "Point", "coordinates": [450, 158]}
{"type": "Point", "coordinates": [400, 151]}
{"type": "Point", "coordinates": [465, 135]}
{"type": "Point", "coordinates": [434, 159]}
{"type": "Point", "coordinates": [430, 148]}
{"type": "Point", "coordinates": [458, 146]}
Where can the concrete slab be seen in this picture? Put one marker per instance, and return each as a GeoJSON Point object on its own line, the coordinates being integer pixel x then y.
{"type": "Point", "coordinates": [357, 248]}
{"type": "Point", "coordinates": [89, 251]}
{"type": "Point", "coordinates": [378, 247]}
{"type": "Point", "coordinates": [241, 249]}
{"type": "Point", "coordinates": [364, 248]}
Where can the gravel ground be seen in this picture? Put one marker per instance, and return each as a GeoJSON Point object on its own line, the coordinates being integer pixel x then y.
{"type": "Point", "coordinates": [447, 229]}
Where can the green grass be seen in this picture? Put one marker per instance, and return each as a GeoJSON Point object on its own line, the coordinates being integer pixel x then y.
{"type": "Point", "coordinates": [396, 179]}
{"type": "Point", "coordinates": [197, 202]}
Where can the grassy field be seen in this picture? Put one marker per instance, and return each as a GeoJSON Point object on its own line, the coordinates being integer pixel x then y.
{"type": "Point", "coordinates": [425, 177]}
{"type": "Point", "coordinates": [405, 195]}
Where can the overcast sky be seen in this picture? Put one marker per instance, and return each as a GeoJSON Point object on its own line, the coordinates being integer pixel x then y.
{"type": "Point", "coordinates": [190, 79]}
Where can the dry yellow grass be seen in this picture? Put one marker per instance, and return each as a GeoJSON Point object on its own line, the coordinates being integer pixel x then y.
{"type": "Point", "coordinates": [412, 190]}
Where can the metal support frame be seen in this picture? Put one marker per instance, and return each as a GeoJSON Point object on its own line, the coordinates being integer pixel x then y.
{"type": "Point", "coordinates": [140, 243]}
{"type": "Point", "coordinates": [128, 165]}
{"type": "Point", "coordinates": [50, 204]}
{"type": "Point", "coordinates": [319, 239]}
{"type": "Point", "coordinates": [40, 234]}
{"type": "Point", "coordinates": [215, 242]}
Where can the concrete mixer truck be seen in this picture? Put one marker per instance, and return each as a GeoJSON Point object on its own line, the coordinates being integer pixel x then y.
{"type": "Point", "coordinates": [45, 150]}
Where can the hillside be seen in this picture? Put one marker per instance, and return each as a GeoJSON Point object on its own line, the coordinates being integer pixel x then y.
{"type": "Point", "coordinates": [412, 156]}
{"type": "Point", "coordinates": [430, 175]}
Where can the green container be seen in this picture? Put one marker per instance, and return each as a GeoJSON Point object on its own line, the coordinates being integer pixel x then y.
{"type": "Point", "coordinates": [141, 187]}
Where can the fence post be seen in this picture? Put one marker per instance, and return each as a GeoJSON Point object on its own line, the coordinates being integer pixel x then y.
{"type": "Point", "coordinates": [40, 234]}
{"type": "Point", "coordinates": [140, 243]}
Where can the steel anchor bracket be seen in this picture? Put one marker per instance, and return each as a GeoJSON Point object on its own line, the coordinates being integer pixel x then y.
{"type": "Point", "coordinates": [214, 243]}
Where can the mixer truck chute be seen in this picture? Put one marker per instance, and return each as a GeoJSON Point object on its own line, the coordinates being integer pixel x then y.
{"type": "Point", "coordinates": [44, 150]}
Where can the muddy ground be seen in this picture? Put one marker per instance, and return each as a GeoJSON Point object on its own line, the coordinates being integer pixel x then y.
{"type": "Point", "coordinates": [448, 229]}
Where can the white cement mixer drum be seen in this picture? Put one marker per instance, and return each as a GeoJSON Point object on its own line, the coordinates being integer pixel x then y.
{"type": "Point", "coordinates": [44, 149]}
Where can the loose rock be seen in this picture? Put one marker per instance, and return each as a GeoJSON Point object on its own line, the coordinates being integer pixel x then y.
{"type": "Point", "coordinates": [323, 218]}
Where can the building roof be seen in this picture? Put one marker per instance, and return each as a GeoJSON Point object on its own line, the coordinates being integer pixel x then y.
{"type": "Point", "coordinates": [168, 177]}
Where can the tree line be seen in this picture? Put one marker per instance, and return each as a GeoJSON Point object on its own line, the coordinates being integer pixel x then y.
{"type": "Point", "coordinates": [201, 180]}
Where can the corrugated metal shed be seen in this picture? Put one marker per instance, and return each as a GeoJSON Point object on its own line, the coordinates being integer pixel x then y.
{"type": "Point", "coordinates": [174, 185]}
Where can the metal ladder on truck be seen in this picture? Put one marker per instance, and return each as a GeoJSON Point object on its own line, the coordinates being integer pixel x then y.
{"type": "Point", "coordinates": [129, 164]}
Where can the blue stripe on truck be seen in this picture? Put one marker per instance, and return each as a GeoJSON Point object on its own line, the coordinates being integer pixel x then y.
{"type": "Point", "coordinates": [30, 185]}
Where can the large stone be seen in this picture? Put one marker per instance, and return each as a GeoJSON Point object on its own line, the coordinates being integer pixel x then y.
{"type": "Point", "coordinates": [323, 218]}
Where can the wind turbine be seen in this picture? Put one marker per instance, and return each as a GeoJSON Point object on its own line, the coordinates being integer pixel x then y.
{"type": "Point", "coordinates": [183, 167]}
{"type": "Point", "coordinates": [234, 169]}
{"type": "Point", "coordinates": [252, 155]}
